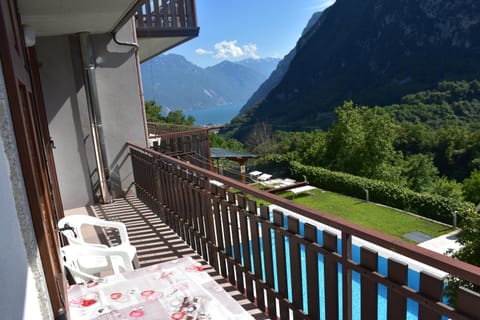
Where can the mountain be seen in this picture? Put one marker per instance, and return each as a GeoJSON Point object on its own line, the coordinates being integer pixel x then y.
{"type": "Point", "coordinates": [372, 52]}
{"type": "Point", "coordinates": [175, 83]}
{"type": "Point", "coordinates": [282, 67]}
{"type": "Point", "coordinates": [265, 66]}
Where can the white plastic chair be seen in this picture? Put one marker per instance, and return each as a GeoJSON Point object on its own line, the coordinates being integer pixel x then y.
{"type": "Point", "coordinates": [86, 263]}
{"type": "Point", "coordinates": [71, 228]}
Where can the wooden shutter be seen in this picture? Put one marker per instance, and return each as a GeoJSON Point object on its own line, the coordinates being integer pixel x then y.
{"type": "Point", "coordinates": [33, 143]}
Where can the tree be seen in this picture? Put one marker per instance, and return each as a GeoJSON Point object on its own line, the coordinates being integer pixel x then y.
{"type": "Point", "coordinates": [471, 187]}
{"type": "Point", "coordinates": [177, 117]}
{"type": "Point", "coordinates": [361, 142]}
{"type": "Point", "coordinates": [346, 139]}
{"type": "Point", "coordinates": [469, 238]}
{"type": "Point", "coordinates": [260, 139]}
{"type": "Point", "coordinates": [377, 152]}
{"type": "Point", "coordinates": [219, 141]}
{"type": "Point", "coordinates": [421, 172]}
{"type": "Point", "coordinates": [447, 188]}
{"type": "Point", "coordinates": [153, 112]}
{"type": "Point", "coordinates": [310, 148]}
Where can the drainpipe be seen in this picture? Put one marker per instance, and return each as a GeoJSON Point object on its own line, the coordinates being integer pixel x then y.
{"type": "Point", "coordinates": [136, 47]}
{"type": "Point", "coordinates": [93, 112]}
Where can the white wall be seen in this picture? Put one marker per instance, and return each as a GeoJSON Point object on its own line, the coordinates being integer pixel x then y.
{"type": "Point", "coordinates": [24, 294]}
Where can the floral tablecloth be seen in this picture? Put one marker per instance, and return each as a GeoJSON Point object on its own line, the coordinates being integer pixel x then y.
{"type": "Point", "coordinates": [177, 290]}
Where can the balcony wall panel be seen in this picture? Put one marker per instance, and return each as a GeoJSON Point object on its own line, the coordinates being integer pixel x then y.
{"type": "Point", "coordinates": [67, 115]}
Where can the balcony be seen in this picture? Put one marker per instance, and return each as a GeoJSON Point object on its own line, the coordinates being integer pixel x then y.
{"type": "Point", "coordinates": [298, 264]}
{"type": "Point", "coordinates": [294, 262]}
{"type": "Point", "coordinates": [164, 24]}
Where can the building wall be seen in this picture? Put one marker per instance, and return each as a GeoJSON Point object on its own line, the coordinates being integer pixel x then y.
{"type": "Point", "coordinates": [67, 111]}
{"type": "Point", "coordinates": [67, 115]}
{"type": "Point", "coordinates": [21, 274]}
{"type": "Point", "coordinates": [120, 105]}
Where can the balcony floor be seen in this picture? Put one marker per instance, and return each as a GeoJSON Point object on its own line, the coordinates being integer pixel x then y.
{"type": "Point", "coordinates": [156, 242]}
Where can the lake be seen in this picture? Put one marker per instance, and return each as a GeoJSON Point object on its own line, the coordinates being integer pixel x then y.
{"type": "Point", "coordinates": [214, 115]}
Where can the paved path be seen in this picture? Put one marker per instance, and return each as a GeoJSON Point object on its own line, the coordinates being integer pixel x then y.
{"type": "Point", "coordinates": [443, 243]}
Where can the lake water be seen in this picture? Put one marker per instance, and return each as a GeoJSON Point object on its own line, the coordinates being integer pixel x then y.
{"type": "Point", "coordinates": [214, 115]}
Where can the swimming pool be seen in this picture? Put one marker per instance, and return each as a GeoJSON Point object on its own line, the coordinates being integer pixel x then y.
{"type": "Point", "coordinates": [382, 264]}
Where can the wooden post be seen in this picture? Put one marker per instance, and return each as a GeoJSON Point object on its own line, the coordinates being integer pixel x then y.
{"type": "Point", "coordinates": [242, 171]}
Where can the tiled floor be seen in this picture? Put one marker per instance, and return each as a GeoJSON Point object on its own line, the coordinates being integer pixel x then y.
{"type": "Point", "coordinates": [156, 242]}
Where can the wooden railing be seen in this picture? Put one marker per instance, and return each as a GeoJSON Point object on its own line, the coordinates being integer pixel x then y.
{"type": "Point", "coordinates": [160, 128]}
{"type": "Point", "coordinates": [166, 15]}
{"type": "Point", "coordinates": [291, 268]}
{"type": "Point", "coordinates": [188, 143]}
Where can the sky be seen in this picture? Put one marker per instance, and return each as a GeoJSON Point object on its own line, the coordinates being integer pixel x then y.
{"type": "Point", "coordinates": [235, 30]}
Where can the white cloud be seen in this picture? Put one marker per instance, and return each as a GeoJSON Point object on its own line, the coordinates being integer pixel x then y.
{"type": "Point", "coordinates": [229, 49]}
{"type": "Point", "coordinates": [203, 51]}
{"type": "Point", "coordinates": [251, 50]}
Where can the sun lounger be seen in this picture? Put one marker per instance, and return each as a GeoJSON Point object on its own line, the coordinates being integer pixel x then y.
{"type": "Point", "coordinates": [296, 191]}
{"type": "Point", "coordinates": [272, 183]}
{"type": "Point", "coordinates": [217, 183]}
{"type": "Point", "coordinates": [254, 174]}
{"type": "Point", "coordinates": [264, 177]}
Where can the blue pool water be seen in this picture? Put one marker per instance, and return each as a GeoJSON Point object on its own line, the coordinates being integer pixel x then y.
{"type": "Point", "coordinates": [413, 278]}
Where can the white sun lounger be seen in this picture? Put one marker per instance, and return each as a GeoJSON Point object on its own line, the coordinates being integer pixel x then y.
{"type": "Point", "coordinates": [264, 177]}
{"type": "Point", "coordinates": [254, 174]}
{"type": "Point", "coordinates": [217, 183]}
{"type": "Point", "coordinates": [296, 191]}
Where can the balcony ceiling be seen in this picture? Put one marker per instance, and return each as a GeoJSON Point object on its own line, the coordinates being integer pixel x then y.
{"type": "Point", "coordinates": [56, 17]}
{"type": "Point", "coordinates": [150, 47]}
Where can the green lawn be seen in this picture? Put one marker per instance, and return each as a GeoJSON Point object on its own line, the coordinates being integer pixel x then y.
{"type": "Point", "coordinates": [385, 220]}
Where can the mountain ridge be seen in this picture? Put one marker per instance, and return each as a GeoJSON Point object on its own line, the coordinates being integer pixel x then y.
{"type": "Point", "coordinates": [176, 83]}
{"type": "Point", "coordinates": [372, 52]}
{"type": "Point", "coordinates": [282, 67]}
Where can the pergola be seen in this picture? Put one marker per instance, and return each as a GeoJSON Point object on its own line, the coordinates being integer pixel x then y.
{"type": "Point", "coordinates": [232, 155]}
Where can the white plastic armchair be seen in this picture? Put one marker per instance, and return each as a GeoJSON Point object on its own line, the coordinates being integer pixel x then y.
{"type": "Point", "coordinates": [86, 263]}
{"type": "Point", "coordinates": [71, 228]}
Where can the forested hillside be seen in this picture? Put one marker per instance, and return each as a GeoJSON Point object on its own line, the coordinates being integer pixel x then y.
{"type": "Point", "coordinates": [430, 142]}
{"type": "Point", "coordinates": [444, 122]}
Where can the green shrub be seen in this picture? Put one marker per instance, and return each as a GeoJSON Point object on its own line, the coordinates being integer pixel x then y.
{"type": "Point", "coordinates": [427, 205]}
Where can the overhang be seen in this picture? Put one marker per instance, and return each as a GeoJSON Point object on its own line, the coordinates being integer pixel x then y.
{"type": "Point", "coordinates": [57, 17]}
{"type": "Point", "coordinates": [151, 47]}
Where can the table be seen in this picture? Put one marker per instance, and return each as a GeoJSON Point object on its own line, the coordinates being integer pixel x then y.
{"type": "Point", "coordinates": [178, 290]}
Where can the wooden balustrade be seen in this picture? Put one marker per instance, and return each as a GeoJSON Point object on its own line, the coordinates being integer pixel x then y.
{"type": "Point", "coordinates": [184, 142]}
{"type": "Point", "coordinates": [166, 14]}
{"type": "Point", "coordinates": [289, 268]}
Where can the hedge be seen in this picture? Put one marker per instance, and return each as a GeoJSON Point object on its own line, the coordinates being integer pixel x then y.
{"type": "Point", "coordinates": [427, 205]}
